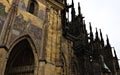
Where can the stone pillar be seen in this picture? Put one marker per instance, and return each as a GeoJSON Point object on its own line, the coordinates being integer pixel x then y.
{"type": "Point", "coordinates": [49, 39]}
{"type": "Point", "coordinates": [58, 70]}
{"type": "Point", "coordinates": [41, 69]}
{"type": "Point", "coordinates": [3, 60]}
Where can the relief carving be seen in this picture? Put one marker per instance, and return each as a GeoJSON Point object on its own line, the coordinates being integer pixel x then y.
{"type": "Point", "coordinates": [37, 32]}
{"type": "Point", "coordinates": [22, 5]}
{"type": "Point", "coordinates": [20, 24]}
{"type": "Point", "coordinates": [22, 27]}
{"type": "Point", "coordinates": [37, 35]}
{"type": "Point", "coordinates": [41, 14]}
{"type": "Point", "coordinates": [2, 11]}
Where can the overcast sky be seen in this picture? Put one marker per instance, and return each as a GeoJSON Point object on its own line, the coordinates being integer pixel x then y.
{"type": "Point", "coordinates": [105, 15]}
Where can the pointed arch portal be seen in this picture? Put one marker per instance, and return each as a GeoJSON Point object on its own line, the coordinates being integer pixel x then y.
{"type": "Point", "coordinates": [21, 59]}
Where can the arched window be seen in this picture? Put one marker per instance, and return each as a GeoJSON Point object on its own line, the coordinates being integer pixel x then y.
{"type": "Point", "coordinates": [33, 7]}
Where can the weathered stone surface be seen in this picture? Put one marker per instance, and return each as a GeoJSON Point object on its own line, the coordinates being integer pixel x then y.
{"type": "Point", "coordinates": [40, 40]}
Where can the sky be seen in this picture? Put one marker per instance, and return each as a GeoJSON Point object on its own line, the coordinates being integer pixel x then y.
{"type": "Point", "coordinates": [105, 15]}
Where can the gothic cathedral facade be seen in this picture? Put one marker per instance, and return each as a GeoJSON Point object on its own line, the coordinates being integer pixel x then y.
{"type": "Point", "coordinates": [37, 38]}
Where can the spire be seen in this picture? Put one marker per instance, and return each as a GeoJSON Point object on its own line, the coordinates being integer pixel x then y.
{"type": "Point", "coordinates": [73, 11]}
{"type": "Point", "coordinates": [116, 60]}
{"type": "Point", "coordinates": [65, 2]}
{"type": "Point", "coordinates": [79, 9]}
{"type": "Point", "coordinates": [91, 33]}
{"type": "Point", "coordinates": [96, 38]}
{"type": "Point", "coordinates": [84, 26]}
{"type": "Point", "coordinates": [108, 44]}
{"type": "Point", "coordinates": [72, 3]}
{"type": "Point", "coordinates": [102, 41]}
{"type": "Point", "coordinates": [85, 32]}
{"type": "Point", "coordinates": [115, 53]}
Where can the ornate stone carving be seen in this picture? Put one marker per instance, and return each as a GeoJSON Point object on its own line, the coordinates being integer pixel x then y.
{"type": "Point", "coordinates": [2, 10]}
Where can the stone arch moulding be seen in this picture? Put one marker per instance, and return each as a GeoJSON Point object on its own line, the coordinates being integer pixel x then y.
{"type": "Point", "coordinates": [76, 66]}
{"type": "Point", "coordinates": [76, 61]}
{"type": "Point", "coordinates": [64, 70]}
{"type": "Point", "coordinates": [22, 37]}
{"type": "Point", "coordinates": [33, 49]}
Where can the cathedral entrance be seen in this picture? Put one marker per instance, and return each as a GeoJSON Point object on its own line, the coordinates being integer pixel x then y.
{"type": "Point", "coordinates": [21, 60]}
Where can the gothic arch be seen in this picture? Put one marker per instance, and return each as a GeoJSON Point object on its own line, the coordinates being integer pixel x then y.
{"type": "Point", "coordinates": [22, 37]}
{"type": "Point", "coordinates": [22, 57]}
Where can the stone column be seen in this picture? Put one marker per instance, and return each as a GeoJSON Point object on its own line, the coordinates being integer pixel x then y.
{"type": "Point", "coordinates": [41, 69]}
{"type": "Point", "coordinates": [3, 60]}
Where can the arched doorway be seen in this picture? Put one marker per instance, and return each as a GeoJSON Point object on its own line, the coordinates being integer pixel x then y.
{"type": "Point", "coordinates": [21, 59]}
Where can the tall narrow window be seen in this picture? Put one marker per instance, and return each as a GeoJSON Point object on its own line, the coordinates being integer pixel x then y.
{"type": "Point", "coordinates": [33, 7]}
